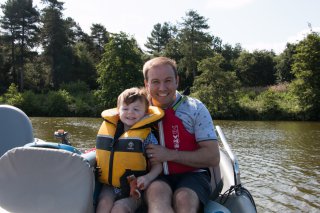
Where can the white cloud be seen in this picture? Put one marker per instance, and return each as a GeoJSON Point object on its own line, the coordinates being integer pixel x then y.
{"type": "Point", "coordinates": [227, 4]}
{"type": "Point", "coordinates": [301, 35]}
{"type": "Point", "coordinates": [278, 47]}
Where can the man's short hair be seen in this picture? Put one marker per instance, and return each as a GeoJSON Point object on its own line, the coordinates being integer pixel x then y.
{"type": "Point", "coordinates": [158, 61]}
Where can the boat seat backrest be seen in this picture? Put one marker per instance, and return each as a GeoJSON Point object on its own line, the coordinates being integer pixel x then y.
{"type": "Point", "coordinates": [45, 180]}
{"type": "Point", "coordinates": [15, 128]}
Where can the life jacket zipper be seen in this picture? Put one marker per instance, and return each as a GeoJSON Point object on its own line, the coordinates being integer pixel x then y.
{"type": "Point", "coordinates": [111, 162]}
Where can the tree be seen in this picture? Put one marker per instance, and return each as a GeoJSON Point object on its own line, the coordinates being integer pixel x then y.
{"type": "Point", "coordinates": [84, 67]}
{"type": "Point", "coordinates": [160, 36]}
{"type": "Point", "coordinates": [37, 72]}
{"type": "Point", "coordinates": [100, 37]}
{"type": "Point", "coordinates": [75, 33]}
{"type": "Point", "coordinates": [172, 50]}
{"type": "Point", "coordinates": [119, 69]}
{"type": "Point", "coordinates": [20, 22]}
{"type": "Point", "coordinates": [284, 63]}
{"type": "Point", "coordinates": [56, 43]}
{"type": "Point", "coordinates": [256, 69]}
{"type": "Point", "coordinates": [195, 44]}
{"type": "Point", "coordinates": [5, 64]}
{"type": "Point", "coordinates": [306, 68]}
{"type": "Point", "coordinates": [216, 87]}
{"type": "Point", "coordinates": [230, 54]}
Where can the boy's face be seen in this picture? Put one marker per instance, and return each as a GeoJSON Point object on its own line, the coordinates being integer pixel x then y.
{"type": "Point", "coordinates": [132, 113]}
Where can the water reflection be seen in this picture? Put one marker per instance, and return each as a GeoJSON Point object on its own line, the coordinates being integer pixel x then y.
{"type": "Point", "coordinates": [279, 161]}
{"type": "Point", "coordinates": [82, 131]}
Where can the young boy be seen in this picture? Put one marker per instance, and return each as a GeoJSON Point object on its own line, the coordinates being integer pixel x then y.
{"type": "Point", "coordinates": [121, 142]}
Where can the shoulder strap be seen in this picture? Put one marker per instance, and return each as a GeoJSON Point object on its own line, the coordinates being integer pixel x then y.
{"type": "Point", "coordinates": [182, 98]}
{"type": "Point", "coordinates": [119, 130]}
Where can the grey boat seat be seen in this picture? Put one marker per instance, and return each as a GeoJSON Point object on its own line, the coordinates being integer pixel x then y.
{"type": "Point", "coordinates": [45, 180]}
{"type": "Point", "coordinates": [15, 128]}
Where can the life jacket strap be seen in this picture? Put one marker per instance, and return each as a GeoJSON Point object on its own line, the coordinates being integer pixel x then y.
{"type": "Point", "coordinates": [182, 99]}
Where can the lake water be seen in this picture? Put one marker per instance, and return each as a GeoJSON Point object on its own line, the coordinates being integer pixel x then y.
{"type": "Point", "coordinates": [279, 161]}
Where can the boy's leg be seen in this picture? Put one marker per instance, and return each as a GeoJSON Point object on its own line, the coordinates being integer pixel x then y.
{"type": "Point", "coordinates": [106, 199]}
{"type": "Point", "coordinates": [128, 204]}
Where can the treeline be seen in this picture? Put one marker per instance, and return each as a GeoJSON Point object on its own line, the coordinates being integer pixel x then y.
{"type": "Point", "coordinates": [50, 67]}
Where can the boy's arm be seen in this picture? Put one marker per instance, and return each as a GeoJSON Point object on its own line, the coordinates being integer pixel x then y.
{"type": "Point", "coordinates": [155, 170]}
{"type": "Point", "coordinates": [144, 181]}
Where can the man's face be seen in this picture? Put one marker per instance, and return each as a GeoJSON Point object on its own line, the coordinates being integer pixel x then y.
{"type": "Point", "coordinates": [162, 85]}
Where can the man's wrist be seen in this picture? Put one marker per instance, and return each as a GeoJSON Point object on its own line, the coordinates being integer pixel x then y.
{"type": "Point", "coordinates": [174, 155]}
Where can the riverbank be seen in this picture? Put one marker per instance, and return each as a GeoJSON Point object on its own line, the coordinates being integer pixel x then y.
{"type": "Point", "coordinates": [77, 100]}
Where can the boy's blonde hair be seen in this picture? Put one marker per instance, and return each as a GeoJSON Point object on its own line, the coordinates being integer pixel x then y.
{"type": "Point", "coordinates": [131, 95]}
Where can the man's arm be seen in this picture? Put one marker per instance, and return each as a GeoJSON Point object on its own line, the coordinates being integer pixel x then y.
{"type": "Point", "coordinates": [206, 155]}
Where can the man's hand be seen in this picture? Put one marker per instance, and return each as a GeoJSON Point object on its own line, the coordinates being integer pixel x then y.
{"type": "Point", "coordinates": [157, 153]}
{"type": "Point", "coordinates": [205, 156]}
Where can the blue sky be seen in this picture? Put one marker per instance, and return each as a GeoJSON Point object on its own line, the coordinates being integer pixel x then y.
{"type": "Point", "coordinates": [255, 24]}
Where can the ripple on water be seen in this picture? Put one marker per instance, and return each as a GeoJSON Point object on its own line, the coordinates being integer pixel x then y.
{"type": "Point", "coordinates": [279, 163]}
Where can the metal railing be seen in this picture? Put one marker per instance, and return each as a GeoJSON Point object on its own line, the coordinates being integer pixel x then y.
{"type": "Point", "coordinates": [231, 155]}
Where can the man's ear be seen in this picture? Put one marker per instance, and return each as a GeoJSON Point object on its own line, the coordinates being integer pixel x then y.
{"type": "Point", "coordinates": [145, 83]}
{"type": "Point", "coordinates": [177, 81]}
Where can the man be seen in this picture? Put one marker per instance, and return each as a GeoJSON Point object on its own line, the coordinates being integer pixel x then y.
{"type": "Point", "coordinates": [190, 143]}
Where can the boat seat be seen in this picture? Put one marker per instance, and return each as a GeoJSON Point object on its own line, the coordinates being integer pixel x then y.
{"type": "Point", "coordinates": [15, 128]}
{"type": "Point", "coordinates": [45, 180]}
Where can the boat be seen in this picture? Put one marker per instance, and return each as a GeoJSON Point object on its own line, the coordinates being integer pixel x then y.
{"type": "Point", "coordinates": [41, 176]}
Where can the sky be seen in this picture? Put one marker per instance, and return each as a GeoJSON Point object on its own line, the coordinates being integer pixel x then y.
{"type": "Point", "coordinates": [255, 24]}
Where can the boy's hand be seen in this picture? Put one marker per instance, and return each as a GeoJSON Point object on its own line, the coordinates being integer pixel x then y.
{"type": "Point", "coordinates": [97, 171]}
{"type": "Point", "coordinates": [134, 189]}
{"type": "Point", "coordinates": [143, 182]}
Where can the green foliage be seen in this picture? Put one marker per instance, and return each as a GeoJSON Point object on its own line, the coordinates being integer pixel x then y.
{"type": "Point", "coordinates": [216, 87]}
{"type": "Point", "coordinates": [172, 50]}
{"type": "Point", "coordinates": [269, 103]}
{"type": "Point", "coordinates": [60, 103]}
{"type": "Point", "coordinates": [230, 54]}
{"type": "Point", "coordinates": [256, 69]}
{"type": "Point", "coordinates": [4, 65]}
{"type": "Point", "coordinates": [36, 78]}
{"type": "Point", "coordinates": [12, 96]}
{"type": "Point", "coordinates": [283, 64]}
{"type": "Point", "coordinates": [75, 88]}
{"type": "Point", "coordinates": [56, 44]}
{"type": "Point", "coordinates": [20, 23]}
{"type": "Point", "coordinates": [83, 101]}
{"type": "Point", "coordinates": [75, 64]}
{"type": "Point", "coordinates": [34, 104]}
{"type": "Point", "coordinates": [83, 68]}
{"type": "Point", "coordinates": [160, 37]}
{"type": "Point", "coordinates": [194, 44]}
{"type": "Point", "coordinates": [306, 68]}
{"type": "Point", "coordinates": [99, 37]}
{"type": "Point", "coordinates": [120, 68]}
{"type": "Point", "coordinates": [57, 103]}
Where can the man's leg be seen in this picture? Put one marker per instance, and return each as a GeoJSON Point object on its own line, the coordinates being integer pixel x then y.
{"type": "Point", "coordinates": [185, 200]}
{"type": "Point", "coordinates": [192, 192]}
{"type": "Point", "coordinates": [159, 197]}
